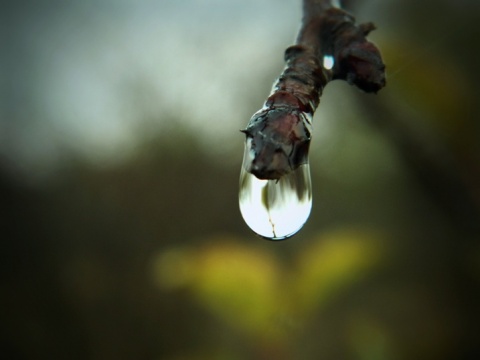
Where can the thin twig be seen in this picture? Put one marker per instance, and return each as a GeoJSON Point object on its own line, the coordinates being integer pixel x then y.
{"type": "Point", "coordinates": [278, 135]}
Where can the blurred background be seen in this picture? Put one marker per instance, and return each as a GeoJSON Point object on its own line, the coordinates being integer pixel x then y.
{"type": "Point", "coordinates": [119, 162]}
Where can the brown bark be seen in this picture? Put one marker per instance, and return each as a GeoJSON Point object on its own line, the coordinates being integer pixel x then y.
{"type": "Point", "coordinates": [278, 135]}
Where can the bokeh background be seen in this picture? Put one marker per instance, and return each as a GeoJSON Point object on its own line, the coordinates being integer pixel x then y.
{"type": "Point", "coordinates": [119, 163]}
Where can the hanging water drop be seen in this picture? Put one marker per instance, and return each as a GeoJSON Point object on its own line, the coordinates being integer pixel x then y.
{"type": "Point", "coordinates": [275, 188]}
{"type": "Point", "coordinates": [276, 209]}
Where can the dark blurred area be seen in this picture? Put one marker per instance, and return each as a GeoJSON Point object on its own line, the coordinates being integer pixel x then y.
{"type": "Point", "coordinates": [119, 164]}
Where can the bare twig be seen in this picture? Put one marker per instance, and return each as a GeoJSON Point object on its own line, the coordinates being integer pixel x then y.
{"type": "Point", "coordinates": [278, 135]}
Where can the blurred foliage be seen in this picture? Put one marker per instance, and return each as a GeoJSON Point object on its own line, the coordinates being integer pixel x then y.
{"type": "Point", "coordinates": [143, 254]}
{"type": "Point", "coordinates": [248, 288]}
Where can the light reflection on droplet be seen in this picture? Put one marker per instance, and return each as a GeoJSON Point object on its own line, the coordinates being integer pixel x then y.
{"type": "Point", "coordinates": [328, 62]}
{"type": "Point", "coordinates": [276, 209]}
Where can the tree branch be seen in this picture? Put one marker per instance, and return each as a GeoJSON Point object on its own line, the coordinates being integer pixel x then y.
{"type": "Point", "coordinates": [278, 135]}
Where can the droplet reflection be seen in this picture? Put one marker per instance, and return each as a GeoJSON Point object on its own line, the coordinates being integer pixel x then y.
{"type": "Point", "coordinates": [276, 209]}
{"type": "Point", "coordinates": [328, 62]}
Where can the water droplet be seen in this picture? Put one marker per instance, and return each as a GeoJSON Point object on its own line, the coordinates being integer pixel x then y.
{"type": "Point", "coordinates": [276, 209]}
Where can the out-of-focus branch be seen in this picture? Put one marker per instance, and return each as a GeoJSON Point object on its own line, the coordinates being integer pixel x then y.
{"type": "Point", "coordinates": [431, 163]}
